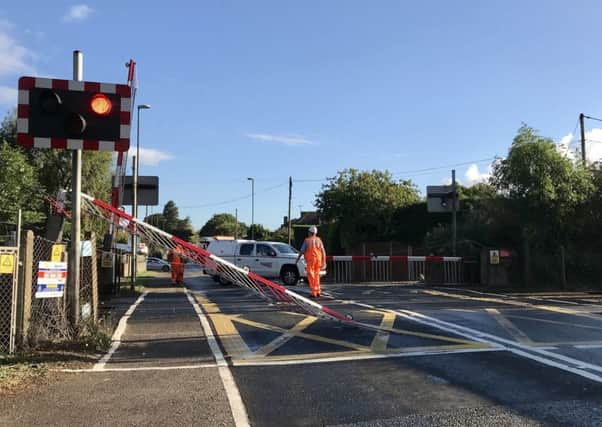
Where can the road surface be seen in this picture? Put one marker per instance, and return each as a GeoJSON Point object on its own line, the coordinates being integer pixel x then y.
{"type": "Point", "coordinates": [218, 355]}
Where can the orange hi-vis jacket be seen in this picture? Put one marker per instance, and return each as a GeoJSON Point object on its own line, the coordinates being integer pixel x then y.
{"type": "Point", "coordinates": [314, 250]}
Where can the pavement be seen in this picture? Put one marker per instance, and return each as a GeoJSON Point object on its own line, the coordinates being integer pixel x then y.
{"type": "Point", "coordinates": [160, 372]}
{"type": "Point", "coordinates": [218, 355]}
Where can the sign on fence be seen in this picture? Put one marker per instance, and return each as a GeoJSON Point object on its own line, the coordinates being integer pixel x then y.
{"type": "Point", "coordinates": [7, 264]}
{"type": "Point", "coordinates": [494, 257]}
{"type": "Point", "coordinates": [52, 277]}
{"type": "Point", "coordinates": [57, 253]}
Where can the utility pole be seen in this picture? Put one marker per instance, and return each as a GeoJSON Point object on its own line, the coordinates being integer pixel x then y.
{"type": "Point", "coordinates": [290, 201]}
{"type": "Point", "coordinates": [76, 195]}
{"type": "Point", "coordinates": [581, 123]}
{"type": "Point", "coordinates": [252, 207]}
{"type": "Point", "coordinates": [454, 199]}
{"type": "Point", "coordinates": [236, 226]}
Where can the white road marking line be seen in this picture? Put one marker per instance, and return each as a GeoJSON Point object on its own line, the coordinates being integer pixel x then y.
{"type": "Point", "coordinates": [239, 412]}
{"type": "Point", "coordinates": [116, 339]}
{"type": "Point", "coordinates": [143, 368]}
{"type": "Point", "coordinates": [360, 357]}
{"type": "Point", "coordinates": [588, 346]}
{"type": "Point", "coordinates": [538, 355]}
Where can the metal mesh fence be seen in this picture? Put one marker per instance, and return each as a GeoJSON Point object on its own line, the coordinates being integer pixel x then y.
{"type": "Point", "coordinates": [48, 318]}
{"type": "Point", "coordinates": [7, 315]}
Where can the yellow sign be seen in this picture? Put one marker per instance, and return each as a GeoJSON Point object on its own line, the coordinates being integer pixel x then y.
{"type": "Point", "coordinates": [7, 264]}
{"type": "Point", "coordinates": [57, 253]}
{"type": "Point", "coordinates": [107, 260]}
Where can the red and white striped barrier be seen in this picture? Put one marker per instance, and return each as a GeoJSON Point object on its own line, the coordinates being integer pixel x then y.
{"type": "Point", "coordinates": [370, 268]}
{"type": "Point", "coordinates": [392, 258]}
{"type": "Point", "coordinates": [273, 293]}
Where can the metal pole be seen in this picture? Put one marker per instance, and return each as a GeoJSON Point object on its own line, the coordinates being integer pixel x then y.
{"type": "Point", "coordinates": [581, 120]}
{"type": "Point", "coordinates": [290, 200]}
{"type": "Point", "coordinates": [76, 191]}
{"type": "Point", "coordinates": [134, 214]}
{"type": "Point", "coordinates": [454, 225]}
{"type": "Point", "coordinates": [252, 207]}
{"type": "Point", "coordinates": [236, 226]}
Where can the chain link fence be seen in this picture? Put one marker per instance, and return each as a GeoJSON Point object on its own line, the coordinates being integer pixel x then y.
{"type": "Point", "coordinates": [48, 316]}
{"type": "Point", "coordinates": [7, 297]}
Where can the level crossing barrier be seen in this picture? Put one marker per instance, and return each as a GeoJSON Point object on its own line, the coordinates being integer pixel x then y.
{"type": "Point", "coordinates": [370, 268]}
{"type": "Point", "coordinates": [276, 295]}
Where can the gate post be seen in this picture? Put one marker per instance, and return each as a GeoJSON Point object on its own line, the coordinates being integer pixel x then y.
{"type": "Point", "coordinates": [26, 285]}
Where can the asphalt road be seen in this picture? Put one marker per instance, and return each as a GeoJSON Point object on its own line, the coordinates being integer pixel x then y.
{"type": "Point", "coordinates": [457, 357]}
{"type": "Point", "coordinates": [450, 357]}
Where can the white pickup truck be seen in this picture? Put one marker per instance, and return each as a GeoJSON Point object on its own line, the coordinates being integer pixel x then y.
{"type": "Point", "coordinates": [272, 260]}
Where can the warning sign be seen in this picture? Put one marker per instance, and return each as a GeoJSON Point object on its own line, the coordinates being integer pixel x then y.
{"type": "Point", "coordinates": [52, 277]}
{"type": "Point", "coordinates": [494, 257]}
{"type": "Point", "coordinates": [107, 260]}
{"type": "Point", "coordinates": [57, 253]}
{"type": "Point", "coordinates": [7, 264]}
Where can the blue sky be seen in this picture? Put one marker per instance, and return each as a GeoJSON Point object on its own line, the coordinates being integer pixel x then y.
{"type": "Point", "coordinates": [272, 89]}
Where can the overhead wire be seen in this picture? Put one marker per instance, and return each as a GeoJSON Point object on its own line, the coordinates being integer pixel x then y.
{"type": "Point", "coordinates": [414, 171]}
{"type": "Point", "coordinates": [236, 199]}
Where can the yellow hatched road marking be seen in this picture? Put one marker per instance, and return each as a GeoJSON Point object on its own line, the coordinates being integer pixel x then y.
{"type": "Point", "coordinates": [510, 327]}
{"type": "Point", "coordinates": [513, 303]}
{"type": "Point", "coordinates": [423, 334]}
{"type": "Point", "coordinates": [303, 335]}
{"type": "Point", "coordinates": [237, 348]}
{"type": "Point", "coordinates": [381, 339]}
{"type": "Point", "coordinates": [283, 339]}
{"type": "Point", "coordinates": [555, 322]}
{"type": "Point", "coordinates": [229, 335]}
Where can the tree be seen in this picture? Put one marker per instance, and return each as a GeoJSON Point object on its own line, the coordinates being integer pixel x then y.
{"type": "Point", "coordinates": [544, 186]}
{"type": "Point", "coordinates": [170, 215]}
{"type": "Point", "coordinates": [223, 224]}
{"type": "Point", "coordinates": [259, 232]}
{"type": "Point", "coordinates": [19, 187]}
{"type": "Point", "coordinates": [170, 222]}
{"type": "Point", "coordinates": [363, 203]}
{"type": "Point", "coordinates": [52, 170]}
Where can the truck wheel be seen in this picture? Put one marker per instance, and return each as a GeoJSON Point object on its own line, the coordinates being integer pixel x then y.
{"type": "Point", "coordinates": [289, 275]}
{"type": "Point", "coordinates": [215, 279]}
{"type": "Point", "coordinates": [223, 281]}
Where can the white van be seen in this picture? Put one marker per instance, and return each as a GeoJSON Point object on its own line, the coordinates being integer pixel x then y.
{"type": "Point", "coordinates": [272, 260]}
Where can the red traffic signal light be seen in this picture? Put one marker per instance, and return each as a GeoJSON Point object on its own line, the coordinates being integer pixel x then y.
{"type": "Point", "coordinates": [76, 115]}
{"type": "Point", "coordinates": [101, 104]}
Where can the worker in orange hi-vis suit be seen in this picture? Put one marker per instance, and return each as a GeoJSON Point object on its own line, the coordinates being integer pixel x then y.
{"type": "Point", "coordinates": [177, 266]}
{"type": "Point", "coordinates": [315, 258]}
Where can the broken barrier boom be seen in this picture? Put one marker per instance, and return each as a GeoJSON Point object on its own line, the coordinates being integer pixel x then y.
{"type": "Point", "coordinates": [271, 292]}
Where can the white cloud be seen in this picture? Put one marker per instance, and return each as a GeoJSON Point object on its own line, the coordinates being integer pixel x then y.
{"type": "Point", "coordinates": [474, 176]}
{"type": "Point", "coordinates": [14, 60]}
{"type": "Point", "coordinates": [570, 145]}
{"type": "Point", "coordinates": [8, 95]}
{"type": "Point", "coordinates": [290, 140]}
{"type": "Point", "coordinates": [79, 12]}
{"type": "Point", "coordinates": [150, 156]}
{"type": "Point", "coordinates": [13, 56]}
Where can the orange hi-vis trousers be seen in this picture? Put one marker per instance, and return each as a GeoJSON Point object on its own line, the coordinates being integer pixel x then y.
{"type": "Point", "coordinates": [313, 255]}
{"type": "Point", "coordinates": [177, 270]}
{"type": "Point", "coordinates": [313, 276]}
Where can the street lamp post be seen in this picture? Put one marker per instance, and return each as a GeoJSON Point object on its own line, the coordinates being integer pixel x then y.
{"type": "Point", "coordinates": [135, 204]}
{"type": "Point", "coordinates": [252, 207]}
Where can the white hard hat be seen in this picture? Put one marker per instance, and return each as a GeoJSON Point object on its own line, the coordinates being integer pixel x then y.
{"type": "Point", "coordinates": [313, 229]}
